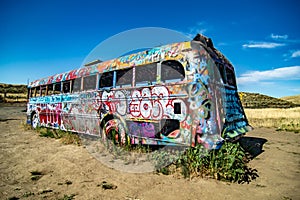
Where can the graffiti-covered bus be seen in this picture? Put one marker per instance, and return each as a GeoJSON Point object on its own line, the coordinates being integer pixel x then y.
{"type": "Point", "coordinates": [177, 94]}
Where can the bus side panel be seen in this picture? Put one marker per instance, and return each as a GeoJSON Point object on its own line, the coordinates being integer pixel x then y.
{"type": "Point", "coordinates": [80, 112]}
{"type": "Point", "coordinates": [48, 110]}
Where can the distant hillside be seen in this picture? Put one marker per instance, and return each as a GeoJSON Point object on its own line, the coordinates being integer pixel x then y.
{"type": "Point", "coordinates": [294, 99]}
{"type": "Point", "coordinates": [255, 100]}
{"type": "Point", "coordinates": [11, 93]}
{"type": "Point", "coordinates": [12, 88]}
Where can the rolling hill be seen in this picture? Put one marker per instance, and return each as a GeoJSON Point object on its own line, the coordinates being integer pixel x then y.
{"type": "Point", "coordinates": [256, 100]}
{"type": "Point", "coordinates": [294, 99]}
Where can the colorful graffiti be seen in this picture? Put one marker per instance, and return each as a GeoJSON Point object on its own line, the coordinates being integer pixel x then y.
{"type": "Point", "coordinates": [173, 51]}
{"type": "Point", "coordinates": [199, 110]}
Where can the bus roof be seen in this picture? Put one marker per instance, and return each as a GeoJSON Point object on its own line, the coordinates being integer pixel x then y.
{"type": "Point", "coordinates": [170, 51]}
{"type": "Point", "coordinates": [156, 54]}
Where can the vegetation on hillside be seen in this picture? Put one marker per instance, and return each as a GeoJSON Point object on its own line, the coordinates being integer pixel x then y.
{"type": "Point", "coordinates": [12, 88]}
{"type": "Point", "coordinates": [255, 100]}
{"type": "Point", "coordinates": [10, 93]}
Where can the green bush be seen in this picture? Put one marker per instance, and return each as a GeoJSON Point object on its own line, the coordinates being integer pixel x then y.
{"type": "Point", "coordinates": [229, 163]}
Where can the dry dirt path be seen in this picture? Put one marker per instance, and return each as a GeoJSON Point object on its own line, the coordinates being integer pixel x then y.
{"type": "Point", "coordinates": [71, 170]}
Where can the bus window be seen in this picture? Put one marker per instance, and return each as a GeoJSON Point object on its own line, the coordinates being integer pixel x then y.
{"type": "Point", "coordinates": [37, 91]}
{"type": "Point", "coordinates": [172, 71]}
{"type": "Point", "coordinates": [89, 82]}
{"type": "Point", "coordinates": [230, 77]}
{"type": "Point", "coordinates": [145, 75]}
{"type": "Point", "coordinates": [66, 86]}
{"type": "Point", "coordinates": [43, 90]}
{"type": "Point", "coordinates": [107, 79]}
{"type": "Point", "coordinates": [50, 90]}
{"type": "Point", "coordinates": [76, 87]}
{"type": "Point", "coordinates": [57, 88]}
{"type": "Point", "coordinates": [221, 69]}
{"type": "Point", "coordinates": [124, 78]}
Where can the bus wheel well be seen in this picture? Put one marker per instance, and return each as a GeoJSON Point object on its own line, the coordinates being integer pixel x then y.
{"type": "Point", "coordinates": [34, 119]}
{"type": "Point", "coordinates": [106, 119]}
{"type": "Point", "coordinates": [31, 115]}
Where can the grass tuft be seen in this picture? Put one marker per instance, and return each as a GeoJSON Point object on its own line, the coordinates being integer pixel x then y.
{"type": "Point", "coordinates": [66, 137]}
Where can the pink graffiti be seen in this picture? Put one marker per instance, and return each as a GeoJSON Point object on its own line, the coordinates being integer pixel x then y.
{"type": "Point", "coordinates": [144, 129]}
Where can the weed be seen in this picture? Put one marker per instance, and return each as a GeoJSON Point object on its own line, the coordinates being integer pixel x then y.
{"type": "Point", "coordinates": [36, 175]}
{"type": "Point", "coordinates": [68, 197]}
{"type": "Point", "coordinates": [261, 186]}
{"type": "Point", "coordinates": [66, 137]}
{"type": "Point", "coordinates": [28, 194]}
{"type": "Point", "coordinates": [45, 191]}
{"type": "Point", "coordinates": [107, 186]}
{"type": "Point", "coordinates": [45, 132]}
{"type": "Point", "coordinates": [26, 126]}
{"type": "Point", "coordinates": [71, 138]}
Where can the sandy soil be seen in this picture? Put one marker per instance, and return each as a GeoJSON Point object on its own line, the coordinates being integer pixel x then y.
{"type": "Point", "coordinates": [71, 170]}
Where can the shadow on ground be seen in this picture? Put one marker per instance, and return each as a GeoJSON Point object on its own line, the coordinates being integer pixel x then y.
{"type": "Point", "coordinates": [253, 145]}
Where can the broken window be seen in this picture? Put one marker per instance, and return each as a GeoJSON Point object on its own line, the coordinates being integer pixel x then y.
{"type": "Point", "coordinates": [172, 71]}
{"type": "Point", "coordinates": [90, 82]}
{"type": "Point", "coordinates": [107, 79]}
{"type": "Point", "coordinates": [145, 75]}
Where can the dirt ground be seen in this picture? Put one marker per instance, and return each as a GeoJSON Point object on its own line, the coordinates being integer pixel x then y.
{"type": "Point", "coordinates": [69, 170]}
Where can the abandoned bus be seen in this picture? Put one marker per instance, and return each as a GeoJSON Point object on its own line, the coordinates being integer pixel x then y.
{"type": "Point", "coordinates": [178, 94]}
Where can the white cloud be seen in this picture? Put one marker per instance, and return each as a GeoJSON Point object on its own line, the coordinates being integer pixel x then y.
{"type": "Point", "coordinates": [263, 45]}
{"type": "Point", "coordinates": [295, 54]}
{"type": "Point", "coordinates": [284, 73]}
{"type": "Point", "coordinates": [276, 37]}
{"type": "Point", "coordinates": [198, 28]}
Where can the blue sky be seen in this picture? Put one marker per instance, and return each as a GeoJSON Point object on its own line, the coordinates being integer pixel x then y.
{"type": "Point", "coordinates": [261, 38]}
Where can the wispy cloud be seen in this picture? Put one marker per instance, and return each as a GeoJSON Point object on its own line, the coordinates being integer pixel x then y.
{"type": "Point", "coordinates": [200, 27]}
{"type": "Point", "coordinates": [284, 73]}
{"type": "Point", "coordinates": [278, 41]}
{"type": "Point", "coordinates": [276, 37]}
{"type": "Point", "coordinates": [295, 54]}
{"type": "Point", "coordinates": [263, 45]}
{"type": "Point", "coordinates": [291, 55]}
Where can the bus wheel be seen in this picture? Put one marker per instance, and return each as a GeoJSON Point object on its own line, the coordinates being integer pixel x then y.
{"type": "Point", "coordinates": [115, 130]}
{"type": "Point", "coordinates": [35, 122]}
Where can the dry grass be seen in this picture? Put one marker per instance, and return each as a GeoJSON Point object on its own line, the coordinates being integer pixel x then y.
{"type": "Point", "coordinates": [294, 99]}
{"type": "Point", "coordinates": [280, 118]}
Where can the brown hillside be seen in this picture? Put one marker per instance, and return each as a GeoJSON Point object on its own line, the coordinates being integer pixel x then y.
{"type": "Point", "coordinates": [256, 100]}
{"type": "Point", "coordinates": [294, 99]}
